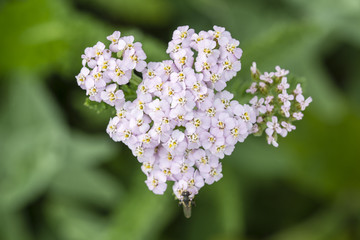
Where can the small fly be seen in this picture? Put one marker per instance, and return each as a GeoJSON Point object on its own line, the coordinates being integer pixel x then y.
{"type": "Point", "coordinates": [187, 203]}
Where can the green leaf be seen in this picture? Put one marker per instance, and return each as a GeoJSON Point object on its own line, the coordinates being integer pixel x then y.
{"type": "Point", "coordinates": [98, 107]}
{"type": "Point", "coordinates": [31, 155]}
{"type": "Point", "coordinates": [142, 215]}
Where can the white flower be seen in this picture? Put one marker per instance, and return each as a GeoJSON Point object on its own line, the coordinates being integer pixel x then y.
{"type": "Point", "coordinates": [273, 126]}
{"type": "Point", "coordinates": [303, 103]}
{"type": "Point", "coordinates": [253, 68]}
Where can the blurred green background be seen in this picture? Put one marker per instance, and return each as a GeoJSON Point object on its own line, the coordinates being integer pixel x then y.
{"type": "Point", "coordinates": [62, 178]}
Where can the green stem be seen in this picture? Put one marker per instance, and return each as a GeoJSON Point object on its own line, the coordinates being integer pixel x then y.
{"type": "Point", "coordinates": [136, 80]}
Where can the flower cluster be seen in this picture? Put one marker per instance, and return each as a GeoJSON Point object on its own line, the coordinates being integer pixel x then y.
{"type": "Point", "coordinates": [182, 121]}
{"type": "Point", "coordinates": [275, 103]}
{"type": "Point", "coordinates": [102, 73]}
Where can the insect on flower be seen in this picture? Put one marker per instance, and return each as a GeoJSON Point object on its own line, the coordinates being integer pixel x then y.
{"type": "Point", "coordinates": [187, 203]}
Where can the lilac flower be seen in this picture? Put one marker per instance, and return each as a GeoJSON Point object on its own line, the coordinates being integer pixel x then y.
{"type": "Point", "coordinates": [215, 78]}
{"type": "Point", "coordinates": [197, 38]}
{"type": "Point", "coordinates": [143, 92]}
{"type": "Point", "coordinates": [206, 48]}
{"type": "Point", "coordinates": [139, 123]}
{"type": "Point", "coordinates": [258, 105]}
{"type": "Point", "coordinates": [157, 182]}
{"type": "Point", "coordinates": [158, 109]}
{"type": "Point", "coordinates": [253, 68]}
{"type": "Point", "coordinates": [280, 72]}
{"type": "Point", "coordinates": [129, 43]}
{"type": "Point", "coordinates": [147, 141]}
{"type": "Point", "coordinates": [165, 69]}
{"type": "Point", "coordinates": [298, 90]}
{"type": "Point", "coordinates": [147, 165]}
{"type": "Point", "coordinates": [173, 48]}
{"type": "Point", "coordinates": [271, 140]}
{"type": "Point", "coordinates": [181, 34]}
{"type": "Point", "coordinates": [179, 187]}
{"type": "Point", "coordinates": [120, 74]}
{"type": "Point", "coordinates": [268, 101]}
{"type": "Point", "coordinates": [198, 123]}
{"type": "Point", "coordinates": [283, 85]}
{"type": "Point", "coordinates": [232, 50]}
{"type": "Point", "coordinates": [285, 109]}
{"type": "Point", "coordinates": [126, 134]}
{"type": "Point", "coordinates": [184, 99]}
{"type": "Point", "coordinates": [180, 116]}
{"type": "Point", "coordinates": [93, 91]}
{"type": "Point", "coordinates": [98, 49]}
{"type": "Point", "coordinates": [298, 115]}
{"type": "Point", "coordinates": [150, 71]}
{"type": "Point", "coordinates": [285, 98]}
{"type": "Point", "coordinates": [223, 121]}
{"type": "Point", "coordinates": [214, 174]}
{"type": "Point", "coordinates": [252, 88]}
{"type": "Point", "coordinates": [262, 86]}
{"type": "Point", "coordinates": [112, 129]}
{"type": "Point", "coordinates": [176, 142]}
{"type": "Point", "coordinates": [204, 63]}
{"type": "Point", "coordinates": [238, 133]}
{"type": "Point", "coordinates": [89, 58]}
{"type": "Point", "coordinates": [195, 181]}
{"type": "Point", "coordinates": [273, 126]}
{"type": "Point", "coordinates": [287, 127]}
{"type": "Point", "coordinates": [112, 96]}
{"type": "Point", "coordinates": [246, 113]}
{"type": "Point", "coordinates": [81, 77]}
{"type": "Point", "coordinates": [303, 103]}
{"type": "Point", "coordinates": [196, 85]}
{"type": "Point", "coordinates": [117, 44]}
{"type": "Point", "coordinates": [134, 57]}
{"type": "Point", "coordinates": [230, 68]}
{"type": "Point", "coordinates": [220, 35]}
{"type": "Point", "coordinates": [186, 74]}
{"type": "Point", "coordinates": [183, 58]}
{"type": "Point", "coordinates": [96, 78]}
{"type": "Point", "coordinates": [267, 77]}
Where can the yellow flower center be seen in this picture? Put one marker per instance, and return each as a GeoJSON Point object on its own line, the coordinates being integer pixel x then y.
{"type": "Point", "coordinates": [206, 66]}
{"type": "Point", "coordinates": [234, 132]}
{"type": "Point", "coordinates": [183, 34]}
{"type": "Point", "coordinates": [112, 97]}
{"type": "Point", "coordinates": [214, 78]}
{"type": "Point", "coordinates": [183, 60]}
{"type": "Point", "coordinates": [184, 168]}
{"type": "Point", "coordinates": [212, 139]}
{"type": "Point", "coordinates": [169, 156]}
{"type": "Point", "coordinates": [134, 58]}
{"type": "Point", "coordinates": [246, 116]}
{"type": "Point", "coordinates": [207, 51]}
{"type": "Point", "coordinates": [127, 134]}
{"type": "Point", "coordinates": [211, 112]}
{"type": "Point", "coordinates": [197, 122]}
{"type": "Point", "coordinates": [204, 160]}
{"type": "Point", "coordinates": [221, 124]}
{"type": "Point", "coordinates": [119, 72]}
{"type": "Point", "coordinates": [155, 182]}
{"type": "Point", "coordinates": [230, 48]}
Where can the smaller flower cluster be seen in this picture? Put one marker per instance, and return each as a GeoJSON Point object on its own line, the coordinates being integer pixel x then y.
{"type": "Point", "coordinates": [275, 103]}
{"type": "Point", "coordinates": [105, 70]}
